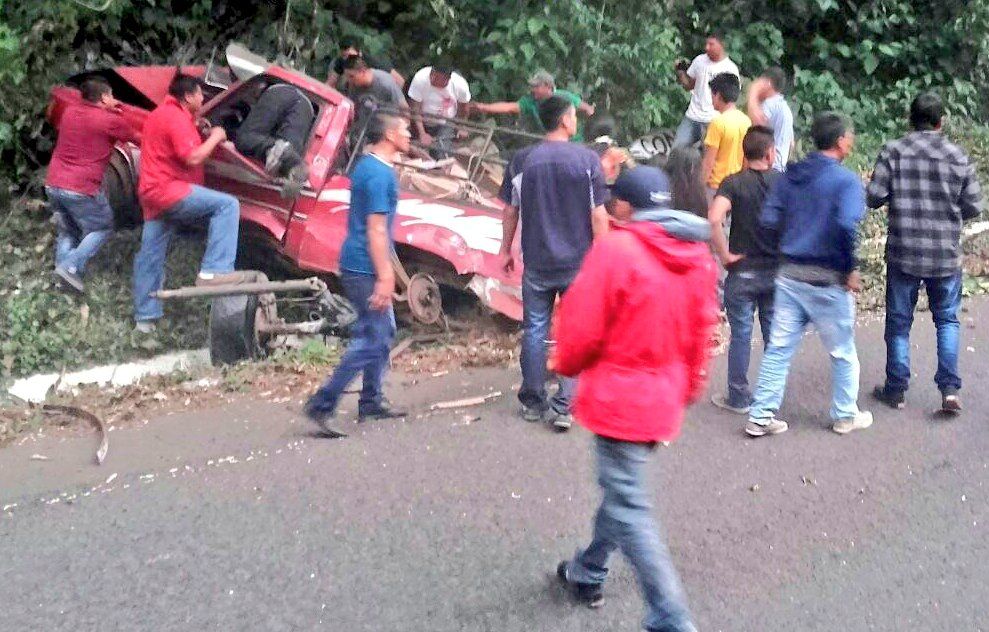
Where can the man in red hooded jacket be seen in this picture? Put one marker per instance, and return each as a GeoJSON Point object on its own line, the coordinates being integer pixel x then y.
{"type": "Point", "coordinates": [635, 325]}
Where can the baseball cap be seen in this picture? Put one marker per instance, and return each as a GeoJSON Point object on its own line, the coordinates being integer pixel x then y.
{"type": "Point", "coordinates": [541, 78]}
{"type": "Point", "coordinates": [643, 187]}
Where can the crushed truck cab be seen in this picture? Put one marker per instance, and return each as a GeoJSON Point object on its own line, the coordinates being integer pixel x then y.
{"type": "Point", "coordinates": [448, 227]}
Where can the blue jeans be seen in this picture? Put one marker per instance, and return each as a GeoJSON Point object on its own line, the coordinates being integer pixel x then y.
{"type": "Point", "coordinates": [625, 521]}
{"type": "Point", "coordinates": [84, 224]}
{"type": "Point", "coordinates": [223, 213]}
{"type": "Point", "coordinates": [832, 311]}
{"type": "Point", "coordinates": [745, 292]}
{"type": "Point", "coordinates": [945, 296]}
{"type": "Point", "coordinates": [370, 342]}
{"type": "Point", "coordinates": [690, 132]}
{"type": "Point", "coordinates": [538, 298]}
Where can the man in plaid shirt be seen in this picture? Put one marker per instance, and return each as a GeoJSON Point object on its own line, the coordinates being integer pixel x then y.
{"type": "Point", "coordinates": [930, 188]}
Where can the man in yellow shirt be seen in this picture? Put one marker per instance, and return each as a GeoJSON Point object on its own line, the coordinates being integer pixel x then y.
{"type": "Point", "coordinates": [723, 144]}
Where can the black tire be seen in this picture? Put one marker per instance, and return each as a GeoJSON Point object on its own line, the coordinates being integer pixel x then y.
{"type": "Point", "coordinates": [120, 186]}
{"type": "Point", "coordinates": [232, 337]}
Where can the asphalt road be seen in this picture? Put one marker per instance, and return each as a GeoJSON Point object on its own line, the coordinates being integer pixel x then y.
{"type": "Point", "coordinates": [446, 522]}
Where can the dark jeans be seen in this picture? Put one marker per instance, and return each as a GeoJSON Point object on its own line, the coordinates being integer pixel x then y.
{"type": "Point", "coordinates": [745, 292]}
{"type": "Point", "coordinates": [945, 296]}
{"type": "Point", "coordinates": [367, 352]}
{"type": "Point", "coordinates": [538, 298]}
{"type": "Point", "coordinates": [625, 521]}
{"type": "Point", "coordinates": [443, 137]}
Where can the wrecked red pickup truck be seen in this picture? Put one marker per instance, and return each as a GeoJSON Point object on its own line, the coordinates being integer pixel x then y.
{"type": "Point", "coordinates": [448, 229]}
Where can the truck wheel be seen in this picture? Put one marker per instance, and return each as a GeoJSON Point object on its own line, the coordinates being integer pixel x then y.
{"type": "Point", "coordinates": [233, 335]}
{"type": "Point", "coordinates": [121, 192]}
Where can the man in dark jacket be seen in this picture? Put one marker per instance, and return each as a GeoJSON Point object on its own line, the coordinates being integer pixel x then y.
{"type": "Point", "coordinates": [815, 207]}
{"type": "Point", "coordinates": [641, 362]}
{"type": "Point", "coordinates": [930, 187]}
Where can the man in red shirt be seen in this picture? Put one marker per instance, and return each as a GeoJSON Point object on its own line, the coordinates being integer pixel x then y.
{"type": "Point", "coordinates": [171, 193]}
{"type": "Point", "coordinates": [86, 138]}
{"type": "Point", "coordinates": [635, 325]}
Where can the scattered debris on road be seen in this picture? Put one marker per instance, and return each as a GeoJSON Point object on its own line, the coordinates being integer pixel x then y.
{"type": "Point", "coordinates": [40, 457]}
{"type": "Point", "coordinates": [464, 403]}
{"type": "Point", "coordinates": [104, 445]}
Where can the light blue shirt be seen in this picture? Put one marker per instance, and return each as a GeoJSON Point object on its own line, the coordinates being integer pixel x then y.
{"type": "Point", "coordinates": [781, 121]}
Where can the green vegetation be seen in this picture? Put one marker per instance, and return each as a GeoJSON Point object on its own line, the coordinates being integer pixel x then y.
{"type": "Point", "coordinates": [867, 59]}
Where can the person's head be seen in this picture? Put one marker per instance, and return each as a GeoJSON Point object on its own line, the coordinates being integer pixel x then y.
{"type": "Point", "coordinates": [833, 134]}
{"type": "Point", "coordinates": [614, 159]}
{"type": "Point", "coordinates": [541, 85]}
{"type": "Point", "coordinates": [97, 91]}
{"type": "Point", "coordinates": [759, 145]}
{"type": "Point", "coordinates": [350, 46]}
{"type": "Point", "coordinates": [637, 189]}
{"type": "Point", "coordinates": [439, 74]}
{"type": "Point", "coordinates": [776, 78]}
{"type": "Point", "coordinates": [686, 184]}
{"type": "Point", "coordinates": [389, 129]}
{"type": "Point", "coordinates": [926, 112]}
{"type": "Point", "coordinates": [725, 89]}
{"type": "Point", "coordinates": [558, 114]}
{"type": "Point", "coordinates": [714, 46]}
{"type": "Point", "coordinates": [357, 72]}
{"type": "Point", "coordinates": [188, 91]}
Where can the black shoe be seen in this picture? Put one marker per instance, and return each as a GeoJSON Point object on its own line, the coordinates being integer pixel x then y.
{"type": "Point", "coordinates": [588, 594]}
{"type": "Point", "coordinates": [69, 280]}
{"type": "Point", "coordinates": [533, 414]}
{"type": "Point", "coordinates": [322, 419]}
{"type": "Point", "coordinates": [893, 399]}
{"type": "Point", "coordinates": [950, 403]}
{"type": "Point", "coordinates": [379, 411]}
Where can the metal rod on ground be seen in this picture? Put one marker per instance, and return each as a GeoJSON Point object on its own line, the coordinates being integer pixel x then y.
{"type": "Point", "coordinates": [312, 284]}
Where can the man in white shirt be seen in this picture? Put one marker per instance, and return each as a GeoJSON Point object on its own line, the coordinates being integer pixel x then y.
{"type": "Point", "coordinates": [695, 77]}
{"type": "Point", "coordinates": [437, 92]}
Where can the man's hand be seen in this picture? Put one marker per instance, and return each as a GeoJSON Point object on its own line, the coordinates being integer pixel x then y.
{"type": "Point", "coordinates": [218, 132]}
{"type": "Point", "coordinates": [381, 298]}
{"type": "Point", "coordinates": [759, 88]}
{"type": "Point", "coordinates": [506, 261]}
{"type": "Point", "coordinates": [425, 138]}
{"type": "Point", "coordinates": [731, 259]}
{"type": "Point", "coordinates": [462, 134]}
{"type": "Point", "coordinates": [854, 281]}
{"type": "Point", "coordinates": [590, 109]}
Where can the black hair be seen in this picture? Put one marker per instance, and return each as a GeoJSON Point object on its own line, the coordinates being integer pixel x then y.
{"type": "Point", "coordinates": [727, 86]}
{"type": "Point", "coordinates": [354, 62]}
{"type": "Point", "coordinates": [551, 111]}
{"type": "Point", "coordinates": [379, 124]}
{"type": "Point", "coordinates": [716, 34]}
{"type": "Point", "coordinates": [757, 142]}
{"type": "Point", "coordinates": [601, 124]}
{"type": "Point", "coordinates": [776, 78]}
{"type": "Point", "coordinates": [183, 85]}
{"type": "Point", "coordinates": [443, 67]}
{"type": "Point", "coordinates": [349, 42]}
{"type": "Point", "coordinates": [827, 128]}
{"type": "Point", "coordinates": [926, 112]}
{"type": "Point", "coordinates": [686, 187]}
{"type": "Point", "coordinates": [94, 88]}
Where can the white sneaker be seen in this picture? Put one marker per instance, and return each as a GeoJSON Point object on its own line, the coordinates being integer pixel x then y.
{"type": "Point", "coordinates": [861, 421]}
{"type": "Point", "coordinates": [145, 327]}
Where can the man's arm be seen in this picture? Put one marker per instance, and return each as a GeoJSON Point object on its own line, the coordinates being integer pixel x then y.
{"type": "Point", "coordinates": [686, 78]}
{"type": "Point", "coordinates": [971, 198]}
{"type": "Point", "coordinates": [586, 108]}
{"type": "Point", "coordinates": [754, 103]}
{"type": "Point", "coordinates": [851, 208]}
{"type": "Point", "coordinates": [509, 223]}
{"type": "Point", "coordinates": [716, 215]}
{"type": "Point", "coordinates": [600, 221]}
{"type": "Point", "coordinates": [378, 248]}
{"type": "Point", "coordinates": [200, 154]}
{"type": "Point", "coordinates": [397, 77]}
{"type": "Point", "coordinates": [331, 79]}
{"type": "Point", "coordinates": [707, 165]}
{"type": "Point", "coordinates": [424, 138]}
{"type": "Point", "coordinates": [501, 107]}
{"type": "Point", "coordinates": [878, 192]}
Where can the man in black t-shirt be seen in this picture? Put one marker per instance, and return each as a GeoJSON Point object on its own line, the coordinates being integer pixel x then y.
{"type": "Point", "coordinates": [750, 255]}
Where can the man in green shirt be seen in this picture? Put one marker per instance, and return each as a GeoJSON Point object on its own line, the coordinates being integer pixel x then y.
{"type": "Point", "coordinates": [541, 86]}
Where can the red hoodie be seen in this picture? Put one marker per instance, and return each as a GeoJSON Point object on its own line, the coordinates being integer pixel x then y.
{"type": "Point", "coordinates": [635, 324]}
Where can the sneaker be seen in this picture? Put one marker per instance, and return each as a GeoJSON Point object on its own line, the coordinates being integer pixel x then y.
{"type": "Point", "coordinates": [145, 327]}
{"type": "Point", "coordinates": [588, 594]}
{"type": "Point", "coordinates": [210, 279]}
{"type": "Point", "coordinates": [322, 419]}
{"type": "Point", "coordinates": [69, 279]}
{"type": "Point", "coordinates": [562, 421]}
{"type": "Point", "coordinates": [861, 421]}
{"type": "Point", "coordinates": [533, 414]}
{"type": "Point", "coordinates": [721, 401]}
{"type": "Point", "coordinates": [950, 403]}
{"type": "Point", "coordinates": [772, 426]}
{"type": "Point", "coordinates": [274, 157]}
{"type": "Point", "coordinates": [379, 411]}
{"type": "Point", "coordinates": [893, 399]}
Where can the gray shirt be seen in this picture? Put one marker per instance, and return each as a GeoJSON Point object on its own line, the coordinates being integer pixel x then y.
{"type": "Point", "coordinates": [383, 90]}
{"type": "Point", "coordinates": [780, 118]}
